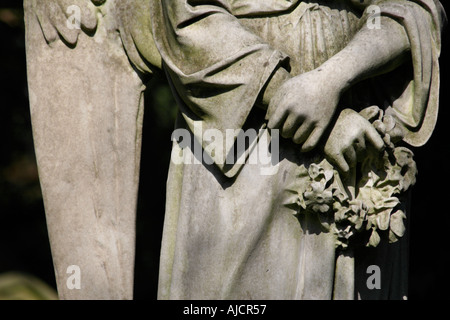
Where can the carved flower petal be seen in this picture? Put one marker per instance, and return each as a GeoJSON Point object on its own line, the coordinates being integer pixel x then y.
{"type": "Point", "coordinates": [404, 156]}
{"type": "Point", "coordinates": [328, 174]}
{"type": "Point", "coordinates": [374, 239]}
{"type": "Point", "coordinates": [314, 171]}
{"type": "Point", "coordinates": [339, 196]}
{"type": "Point", "coordinates": [340, 214]}
{"type": "Point", "coordinates": [323, 208]}
{"type": "Point", "coordinates": [397, 225]}
{"type": "Point", "coordinates": [383, 219]}
{"type": "Point", "coordinates": [317, 186]}
{"type": "Point", "coordinates": [392, 237]}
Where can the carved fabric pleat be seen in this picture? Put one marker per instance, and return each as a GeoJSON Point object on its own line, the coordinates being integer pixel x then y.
{"type": "Point", "coordinates": [310, 35]}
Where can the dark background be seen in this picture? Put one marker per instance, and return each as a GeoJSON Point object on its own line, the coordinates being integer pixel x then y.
{"type": "Point", "coordinates": [24, 243]}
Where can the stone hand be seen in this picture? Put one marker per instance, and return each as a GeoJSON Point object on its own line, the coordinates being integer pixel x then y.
{"type": "Point", "coordinates": [303, 106]}
{"type": "Point", "coordinates": [349, 139]}
{"type": "Point", "coordinates": [57, 18]}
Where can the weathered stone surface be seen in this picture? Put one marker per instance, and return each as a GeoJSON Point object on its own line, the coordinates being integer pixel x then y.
{"type": "Point", "coordinates": [86, 108]}
{"type": "Point", "coordinates": [328, 92]}
{"type": "Point", "coordinates": [339, 178]}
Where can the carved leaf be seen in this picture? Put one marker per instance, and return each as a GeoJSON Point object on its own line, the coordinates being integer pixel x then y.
{"type": "Point", "coordinates": [374, 239]}
{"type": "Point", "coordinates": [392, 237]}
{"type": "Point", "coordinates": [383, 219]}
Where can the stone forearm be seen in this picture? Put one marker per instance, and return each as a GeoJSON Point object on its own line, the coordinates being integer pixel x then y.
{"type": "Point", "coordinates": [371, 52]}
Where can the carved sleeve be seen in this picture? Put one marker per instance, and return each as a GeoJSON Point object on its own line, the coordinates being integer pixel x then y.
{"type": "Point", "coordinates": [416, 106]}
{"type": "Point", "coordinates": [217, 66]}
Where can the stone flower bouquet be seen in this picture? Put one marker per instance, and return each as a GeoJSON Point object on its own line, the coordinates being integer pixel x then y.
{"type": "Point", "coordinates": [367, 204]}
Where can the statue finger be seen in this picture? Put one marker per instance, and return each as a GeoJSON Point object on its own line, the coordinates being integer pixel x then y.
{"type": "Point", "coordinates": [302, 133]}
{"type": "Point", "coordinates": [86, 10]}
{"type": "Point", "coordinates": [313, 139]}
{"type": "Point", "coordinates": [67, 28]}
{"type": "Point", "coordinates": [49, 31]}
{"type": "Point", "coordinates": [277, 119]}
{"type": "Point", "coordinates": [360, 146]}
{"type": "Point", "coordinates": [374, 138]}
{"type": "Point", "coordinates": [350, 156]}
{"type": "Point", "coordinates": [338, 159]}
{"type": "Point", "coordinates": [290, 126]}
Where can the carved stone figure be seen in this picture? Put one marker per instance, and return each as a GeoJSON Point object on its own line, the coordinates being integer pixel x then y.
{"type": "Point", "coordinates": [348, 85]}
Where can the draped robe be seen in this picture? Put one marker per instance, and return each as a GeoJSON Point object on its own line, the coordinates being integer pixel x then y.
{"type": "Point", "coordinates": [227, 233]}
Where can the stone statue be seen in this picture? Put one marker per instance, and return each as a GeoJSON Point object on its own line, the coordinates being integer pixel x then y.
{"type": "Point", "coordinates": [347, 84]}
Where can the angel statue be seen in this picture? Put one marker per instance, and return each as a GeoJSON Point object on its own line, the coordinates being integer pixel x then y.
{"type": "Point", "coordinates": [333, 92]}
